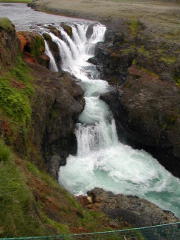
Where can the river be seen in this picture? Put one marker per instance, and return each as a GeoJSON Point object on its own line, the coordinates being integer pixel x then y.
{"type": "Point", "coordinates": [101, 160]}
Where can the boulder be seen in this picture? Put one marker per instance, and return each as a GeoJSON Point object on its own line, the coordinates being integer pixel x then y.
{"type": "Point", "coordinates": [67, 29]}
{"type": "Point", "coordinates": [54, 30]}
{"type": "Point", "coordinates": [133, 210]}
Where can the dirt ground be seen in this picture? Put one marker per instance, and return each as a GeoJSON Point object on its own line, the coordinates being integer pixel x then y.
{"type": "Point", "coordinates": [161, 17]}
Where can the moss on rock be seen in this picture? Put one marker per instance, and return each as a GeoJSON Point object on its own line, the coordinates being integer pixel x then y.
{"type": "Point", "coordinates": [15, 90]}
{"type": "Point", "coordinates": [8, 44]}
{"type": "Point", "coordinates": [67, 29]}
{"type": "Point", "coordinates": [168, 59]}
{"type": "Point", "coordinates": [134, 26]}
{"type": "Point", "coordinates": [5, 24]}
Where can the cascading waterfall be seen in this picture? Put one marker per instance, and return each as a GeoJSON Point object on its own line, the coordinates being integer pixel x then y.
{"type": "Point", "coordinates": [52, 64]}
{"type": "Point", "coordinates": [101, 160]}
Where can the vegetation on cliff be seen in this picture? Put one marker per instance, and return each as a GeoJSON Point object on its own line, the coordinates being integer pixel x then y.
{"type": "Point", "coordinates": [32, 202]}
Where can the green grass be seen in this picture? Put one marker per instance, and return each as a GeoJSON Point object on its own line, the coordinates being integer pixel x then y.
{"type": "Point", "coordinates": [143, 51]}
{"type": "Point", "coordinates": [134, 26]}
{"type": "Point", "coordinates": [168, 59]}
{"type": "Point", "coordinates": [5, 153]}
{"type": "Point", "coordinates": [17, 205]}
{"type": "Point", "coordinates": [177, 79]}
{"type": "Point", "coordinates": [91, 220]}
{"type": "Point", "coordinates": [5, 24]}
{"type": "Point", "coordinates": [37, 46]}
{"type": "Point", "coordinates": [15, 91]}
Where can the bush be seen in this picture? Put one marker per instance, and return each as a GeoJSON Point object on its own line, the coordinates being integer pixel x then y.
{"type": "Point", "coordinates": [5, 152]}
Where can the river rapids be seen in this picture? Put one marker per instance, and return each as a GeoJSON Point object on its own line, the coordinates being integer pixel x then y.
{"type": "Point", "coordinates": [102, 160]}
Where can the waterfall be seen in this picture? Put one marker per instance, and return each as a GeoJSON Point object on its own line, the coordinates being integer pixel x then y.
{"type": "Point", "coordinates": [52, 63]}
{"type": "Point", "coordinates": [101, 160]}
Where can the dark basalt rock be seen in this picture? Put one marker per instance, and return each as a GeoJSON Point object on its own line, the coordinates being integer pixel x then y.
{"type": "Point", "coordinates": [129, 42]}
{"type": "Point", "coordinates": [67, 29]}
{"type": "Point", "coordinates": [146, 111]}
{"type": "Point", "coordinates": [54, 30]}
{"type": "Point", "coordinates": [54, 49]}
{"type": "Point", "coordinates": [146, 104]}
{"type": "Point", "coordinates": [57, 102]}
{"type": "Point", "coordinates": [133, 210]}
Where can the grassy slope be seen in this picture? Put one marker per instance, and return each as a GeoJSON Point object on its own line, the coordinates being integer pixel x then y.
{"type": "Point", "coordinates": [32, 203]}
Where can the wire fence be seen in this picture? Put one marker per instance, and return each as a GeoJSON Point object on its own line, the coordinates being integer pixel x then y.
{"type": "Point", "coordinates": [169, 231]}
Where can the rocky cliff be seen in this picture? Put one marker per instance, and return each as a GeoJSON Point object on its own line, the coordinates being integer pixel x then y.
{"type": "Point", "coordinates": [146, 96]}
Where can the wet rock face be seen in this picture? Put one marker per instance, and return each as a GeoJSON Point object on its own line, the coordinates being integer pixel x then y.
{"type": "Point", "coordinates": [52, 45]}
{"type": "Point", "coordinates": [115, 54]}
{"type": "Point", "coordinates": [130, 209]}
{"type": "Point", "coordinates": [9, 46]}
{"type": "Point", "coordinates": [146, 111]}
{"type": "Point", "coordinates": [56, 105]}
{"type": "Point", "coordinates": [54, 49]}
{"type": "Point", "coordinates": [67, 29]}
{"type": "Point", "coordinates": [146, 102]}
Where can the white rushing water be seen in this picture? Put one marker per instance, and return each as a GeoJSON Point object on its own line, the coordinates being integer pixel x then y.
{"type": "Point", "coordinates": [52, 63]}
{"type": "Point", "coordinates": [101, 160]}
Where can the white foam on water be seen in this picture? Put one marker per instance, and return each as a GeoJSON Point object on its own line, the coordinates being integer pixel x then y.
{"type": "Point", "coordinates": [101, 160]}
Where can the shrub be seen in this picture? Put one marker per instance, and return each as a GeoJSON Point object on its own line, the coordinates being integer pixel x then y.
{"type": "Point", "coordinates": [5, 152]}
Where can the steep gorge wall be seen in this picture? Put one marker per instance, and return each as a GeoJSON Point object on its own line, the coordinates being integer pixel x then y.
{"type": "Point", "coordinates": [54, 99]}
{"type": "Point", "coordinates": [146, 96]}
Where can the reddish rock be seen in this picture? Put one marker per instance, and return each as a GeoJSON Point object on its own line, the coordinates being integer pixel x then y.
{"type": "Point", "coordinates": [33, 47]}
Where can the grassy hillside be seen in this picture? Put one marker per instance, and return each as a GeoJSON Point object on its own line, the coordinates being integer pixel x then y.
{"type": "Point", "coordinates": [32, 203]}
